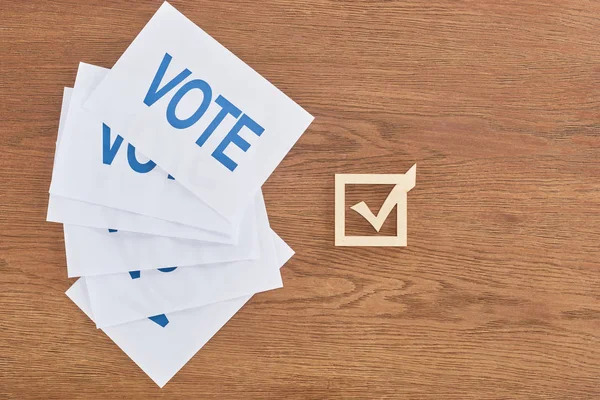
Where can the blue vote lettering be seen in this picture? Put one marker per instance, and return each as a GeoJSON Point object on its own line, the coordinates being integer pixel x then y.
{"type": "Point", "coordinates": [234, 137]}
{"type": "Point", "coordinates": [137, 274]}
{"type": "Point", "coordinates": [109, 152]}
{"type": "Point", "coordinates": [186, 123]}
{"type": "Point", "coordinates": [160, 319]}
{"type": "Point", "coordinates": [155, 93]}
{"type": "Point", "coordinates": [135, 164]}
{"type": "Point", "coordinates": [226, 109]}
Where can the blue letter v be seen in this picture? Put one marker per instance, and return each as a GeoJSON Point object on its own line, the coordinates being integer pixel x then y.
{"type": "Point", "coordinates": [154, 94]}
{"type": "Point", "coordinates": [109, 152]}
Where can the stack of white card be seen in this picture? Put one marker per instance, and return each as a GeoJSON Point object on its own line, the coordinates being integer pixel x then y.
{"type": "Point", "coordinates": [157, 179]}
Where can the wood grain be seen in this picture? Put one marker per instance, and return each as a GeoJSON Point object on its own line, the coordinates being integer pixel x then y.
{"type": "Point", "coordinates": [497, 295]}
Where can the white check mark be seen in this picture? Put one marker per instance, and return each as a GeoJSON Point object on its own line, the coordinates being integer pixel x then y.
{"type": "Point", "coordinates": [384, 212]}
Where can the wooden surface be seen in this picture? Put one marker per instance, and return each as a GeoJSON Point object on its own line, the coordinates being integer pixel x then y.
{"type": "Point", "coordinates": [497, 295]}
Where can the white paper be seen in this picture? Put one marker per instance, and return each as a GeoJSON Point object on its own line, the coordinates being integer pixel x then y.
{"type": "Point", "coordinates": [95, 165]}
{"type": "Point", "coordinates": [120, 298]}
{"type": "Point", "coordinates": [92, 251]}
{"type": "Point", "coordinates": [168, 91]}
{"type": "Point", "coordinates": [162, 351]}
{"type": "Point", "coordinates": [75, 212]}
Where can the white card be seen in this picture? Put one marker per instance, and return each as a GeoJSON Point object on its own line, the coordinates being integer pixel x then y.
{"type": "Point", "coordinates": [75, 212]}
{"type": "Point", "coordinates": [92, 251]}
{"type": "Point", "coordinates": [198, 111]}
{"type": "Point", "coordinates": [160, 351]}
{"type": "Point", "coordinates": [95, 165]}
{"type": "Point", "coordinates": [120, 298]}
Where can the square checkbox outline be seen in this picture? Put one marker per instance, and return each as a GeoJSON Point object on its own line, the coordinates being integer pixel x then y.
{"type": "Point", "coordinates": [407, 182]}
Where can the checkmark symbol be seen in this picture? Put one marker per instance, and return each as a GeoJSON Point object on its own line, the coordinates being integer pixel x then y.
{"type": "Point", "coordinates": [388, 205]}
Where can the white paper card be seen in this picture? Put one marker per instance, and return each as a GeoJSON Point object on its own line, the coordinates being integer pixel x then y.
{"type": "Point", "coordinates": [120, 298]}
{"type": "Point", "coordinates": [95, 165]}
{"type": "Point", "coordinates": [160, 351]}
{"type": "Point", "coordinates": [198, 111]}
{"type": "Point", "coordinates": [92, 251]}
{"type": "Point", "coordinates": [75, 212]}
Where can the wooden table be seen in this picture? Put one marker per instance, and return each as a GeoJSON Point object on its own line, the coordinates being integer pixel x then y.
{"type": "Point", "coordinates": [497, 295]}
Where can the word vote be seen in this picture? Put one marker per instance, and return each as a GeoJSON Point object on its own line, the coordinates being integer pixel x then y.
{"type": "Point", "coordinates": [156, 92]}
